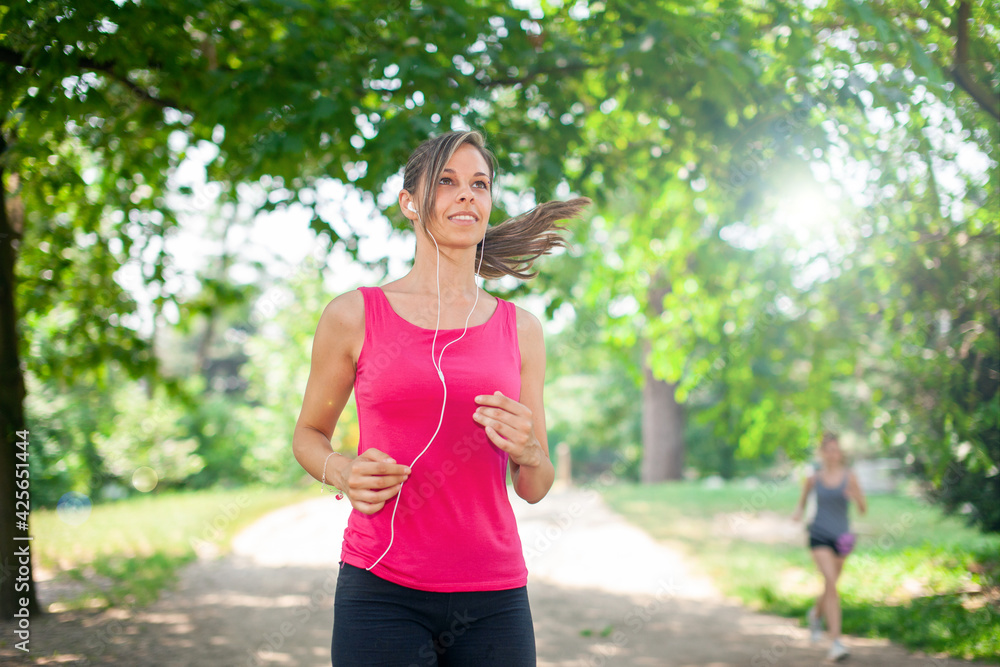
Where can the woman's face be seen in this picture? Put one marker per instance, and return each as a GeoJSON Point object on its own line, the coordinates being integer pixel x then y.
{"type": "Point", "coordinates": [462, 199]}
{"type": "Point", "coordinates": [830, 451]}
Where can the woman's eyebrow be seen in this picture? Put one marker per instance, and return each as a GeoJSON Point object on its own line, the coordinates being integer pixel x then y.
{"type": "Point", "coordinates": [452, 171]}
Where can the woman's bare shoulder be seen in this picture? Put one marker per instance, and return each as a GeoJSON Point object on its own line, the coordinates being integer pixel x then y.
{"type": "Point", "coordinates": [530, 339]}
{"type": "Point", "coordinates": [528, 323]}
{"type": "Point", "coordinates": [345, 310]}
{"type": "Point", "coordinates": [342, 324]}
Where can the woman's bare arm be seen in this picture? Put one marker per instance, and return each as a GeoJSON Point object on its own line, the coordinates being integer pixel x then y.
{"type": "Point", "coordinates": [855, 493]}
{"type": "Point", "coordinates": [373, 478]}
{"type": "Point", "coordinates": [807, 486]}
{"type": "Point", "coordinates": [533, 482]}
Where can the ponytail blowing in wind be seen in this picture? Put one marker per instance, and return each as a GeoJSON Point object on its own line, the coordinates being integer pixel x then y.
{"type": "Point", "coordinates": [511, 246]}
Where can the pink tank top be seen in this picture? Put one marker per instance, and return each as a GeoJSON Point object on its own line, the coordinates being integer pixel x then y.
{"type": "Point", "coordinates": [455, 529]}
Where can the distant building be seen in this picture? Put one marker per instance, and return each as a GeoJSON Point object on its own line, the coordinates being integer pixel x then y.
{"type": "Point", "coordinates": [878, 475]}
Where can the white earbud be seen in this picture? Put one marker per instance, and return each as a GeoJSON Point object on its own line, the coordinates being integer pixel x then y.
{"type": "Point", "coordinates": [410, 206]}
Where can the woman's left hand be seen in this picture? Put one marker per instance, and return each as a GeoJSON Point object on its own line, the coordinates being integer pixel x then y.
{"type": "Point", "coordinates": [511, 427]}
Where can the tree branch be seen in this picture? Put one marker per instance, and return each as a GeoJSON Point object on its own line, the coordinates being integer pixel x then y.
{"type": "Point", "coordinates": [985, 98]}
{"type": "Point", "coordinates": [534, 74]}
{"type": "Point", "coordinates": [139, 91]}
{"type": "Point", "coordinates": [16, 59]}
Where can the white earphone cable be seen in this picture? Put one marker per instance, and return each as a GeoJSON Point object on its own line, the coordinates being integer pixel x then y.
{"type": "Point", "coordinates": [436, 362]}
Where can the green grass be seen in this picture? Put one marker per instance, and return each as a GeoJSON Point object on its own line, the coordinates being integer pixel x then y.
{"type": "Point", "coordinates": [916, 577]}
{"type": "Point", "coordinates": [127, 551]}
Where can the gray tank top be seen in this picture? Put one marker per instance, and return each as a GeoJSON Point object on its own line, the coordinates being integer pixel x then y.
{"type": "Point", "coordinates": [831, 509]}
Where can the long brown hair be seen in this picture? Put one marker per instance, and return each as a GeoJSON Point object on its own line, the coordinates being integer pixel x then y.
{"type": "Point", "coordinates": [511, 246]}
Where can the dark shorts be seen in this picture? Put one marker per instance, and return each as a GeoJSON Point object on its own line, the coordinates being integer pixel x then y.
{"type": "Point", "coordinates": [817, 541]}
{"type": "Point", "coordinates": [379, 623]}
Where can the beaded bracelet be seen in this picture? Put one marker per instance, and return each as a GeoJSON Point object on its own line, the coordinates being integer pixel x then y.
{"type": "Point", "coordinates": [340, 494]}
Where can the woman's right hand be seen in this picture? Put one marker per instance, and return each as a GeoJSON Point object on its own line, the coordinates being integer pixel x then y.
{"type": "Point", "coordinates": [371, 479]}
{"type": "Point", "coordinates": [797, 516]}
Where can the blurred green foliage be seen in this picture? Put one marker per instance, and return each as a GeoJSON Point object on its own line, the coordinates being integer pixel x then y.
{"type": "Point", "coordinates": [812, 190]}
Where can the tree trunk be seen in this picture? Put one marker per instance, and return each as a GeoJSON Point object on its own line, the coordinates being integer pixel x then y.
{"type": "Point", "coordinates": [15, 583]}
{"type": "Point", "coordinates": [662, 431]}
{"type": "Point", "coordinates": [203, 355]}
{"type": "Point", "coordinates": [662, 416]}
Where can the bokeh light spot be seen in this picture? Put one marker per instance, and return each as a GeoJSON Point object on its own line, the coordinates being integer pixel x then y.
{"type": "Point", "coordinates": [144, 479]}
{"type": "Point", "coordinates": [74, 508]}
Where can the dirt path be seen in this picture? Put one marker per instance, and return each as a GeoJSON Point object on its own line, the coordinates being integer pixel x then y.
{"type": "Point", "coordinates": [602, 593]}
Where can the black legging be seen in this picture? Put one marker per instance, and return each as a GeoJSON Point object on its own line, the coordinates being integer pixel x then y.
{"type": "Point", "coordinates": [379, 623]}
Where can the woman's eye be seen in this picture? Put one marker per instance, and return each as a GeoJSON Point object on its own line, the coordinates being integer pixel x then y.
{"type": "Point", "coordinates": [478, 184]}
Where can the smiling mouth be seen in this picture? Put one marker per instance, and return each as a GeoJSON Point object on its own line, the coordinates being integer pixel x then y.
{"type": "Point", "coordinates": [464, 217]}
